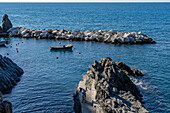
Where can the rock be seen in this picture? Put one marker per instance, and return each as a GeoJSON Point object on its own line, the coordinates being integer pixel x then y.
{"type": "Point", "coordinates": [120, 40]}
{"type": "Point", "coordinates": [136, 72]}
{"type": "Point", "coordinates": [112, 31]}
{"type": "Point", "coordinates": [77, 104]}
{"type": "Point", "coordinates": [5, 106]}
{"type": "Point", "coordinates": [139, 33]}
{"type": "Point", "coordinates": [9, 74]}
{"type": "Point", "coordinates": [71, 36]}
{"type": "Point", "coordinates": [54, 32]}
{"type": "Point", "coordinates": [110, 88]}
{"type": "Point", "coordinates": [6, 23]}
{"type": "Point", "coordinates": [27, 35]}
{"type": "Point", "coordinates": [0, 29]}
{"type": "Point", "coordinates": [126, 40]}
{"type": "Point", "coordinates": [62, 30]}
{"type": "Point", "coordinates": [88, 31]}
{"type": "Point", "coordinates": [14, 31]}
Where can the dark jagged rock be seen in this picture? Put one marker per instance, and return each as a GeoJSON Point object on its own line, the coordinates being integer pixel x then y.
{"type": "Point", "coordinates": [77, 104]}
{"type": "Point", "coordinates": [128, 70]}
{"type": "Point", "coordinates": [6, 23]}
{"type": "Point", "coordinates": [9, 74]}
{"type": "Point", "coordinates": [0, 29]}
{"type": "Point", "coordinates": [5, 106]}
{"type": "Point", "coordinates": [109, 86]}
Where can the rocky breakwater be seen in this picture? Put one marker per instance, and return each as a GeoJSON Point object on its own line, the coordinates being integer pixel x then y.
{"type": "Point", "coordinates": [6, 25]}
{"type": "Point", "coordinates": [9, 76]}
{"type": "Point", "coordinates": [109, 89]}
{"type": "Point", "coordinates": [95, 35]}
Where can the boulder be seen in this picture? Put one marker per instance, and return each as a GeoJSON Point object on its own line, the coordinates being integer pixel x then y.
{"type": "Point", "coordinates": [27, 35]}
{"type": "Point", "coordinates": [126, 40]}
{"type": "Point", "coordinates": [88, 31]}
{"type": "Point", "coordinates": [6, 23]}
{"type": "Point", "coordinates": [16, 31]}
{"type": "Point", "coordinates": [112, 31]}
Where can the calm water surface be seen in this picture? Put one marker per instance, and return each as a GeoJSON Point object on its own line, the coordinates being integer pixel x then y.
{"type": "Point", "coordinates": [48, 83]}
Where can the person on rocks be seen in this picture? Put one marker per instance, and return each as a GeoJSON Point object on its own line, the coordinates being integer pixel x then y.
{"type": "Point", "coordinates": [83, 95]}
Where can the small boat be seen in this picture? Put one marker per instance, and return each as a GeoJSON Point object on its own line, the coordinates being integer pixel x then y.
{"type": "Point", "coordinates": [2, 43]}
{"type": "Point", "coordinates": [67, 47]}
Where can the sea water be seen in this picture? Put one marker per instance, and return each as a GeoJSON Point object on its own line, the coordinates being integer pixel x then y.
{"type": "Point", "coordinates": [48, 84]}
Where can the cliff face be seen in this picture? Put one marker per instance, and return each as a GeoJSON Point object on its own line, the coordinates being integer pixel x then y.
{"type": "Point", "coordinates": [9, 74]}
{"type": "Point", "coordinates": [109, 88]}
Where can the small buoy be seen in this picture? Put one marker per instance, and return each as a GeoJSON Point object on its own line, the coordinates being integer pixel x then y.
{"type": "Point", "coordinates": [56, 57]}
{"type": "Point", "coordinates": [16, 48]}
{"type": "Point", "coordinates": [16, 44]}
{"type": "Point", "coordinates": [17, 51]}
{"type": "Point", "coordinates": [79, 52]}
{"type": "Point", "coordinates": [7, 53]}
{"type": "Point", "coordinates": [22, 42]}
{"type": "Point", "coordinates": [10, 46]}
{"type": "Point", "coordinates": [4, 56]}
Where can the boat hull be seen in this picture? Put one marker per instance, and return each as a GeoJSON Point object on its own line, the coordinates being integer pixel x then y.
{"type": "Point", "coordinates": [2, 43]}
{"type": "Point", "coordinates": [68, 47]}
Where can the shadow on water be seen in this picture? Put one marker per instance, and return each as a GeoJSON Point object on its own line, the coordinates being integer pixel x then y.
{"type": "Point", "coordinates": [61, 50]}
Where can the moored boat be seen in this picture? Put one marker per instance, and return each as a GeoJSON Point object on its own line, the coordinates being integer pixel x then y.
{"type": "Point", "coordinates": [2, 43]}
{"type": "Point", "coordinates": [67, 47]}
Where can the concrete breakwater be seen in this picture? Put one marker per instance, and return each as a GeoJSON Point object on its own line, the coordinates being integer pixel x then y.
{"type": "Point", "coordinates": [95, 35]}
{"type": "Point", "coordinates": [109, 89]}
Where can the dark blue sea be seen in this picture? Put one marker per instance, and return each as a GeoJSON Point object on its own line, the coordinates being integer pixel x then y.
{"type": "Point", "coordinates": [48, 83]}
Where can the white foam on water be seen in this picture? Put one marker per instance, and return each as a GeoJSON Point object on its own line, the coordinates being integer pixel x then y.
{"type": "Point", "coordinates": [139, 83]}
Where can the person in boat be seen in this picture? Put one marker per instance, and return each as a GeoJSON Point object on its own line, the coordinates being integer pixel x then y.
{"type": "Point", "coordinates": [83, 92]}
{"type": "Point", "coordinates": [60, 43]}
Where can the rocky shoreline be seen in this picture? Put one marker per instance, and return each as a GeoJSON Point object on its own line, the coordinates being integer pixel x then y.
{"type": "Point", "coordinates": [5, 106]}
{"type": "Point", "coordinates": [10, 74]}
{"type": "Point", "coordinates": [109, 89]}
{"type": "Point", "coordinates": [112, 36]}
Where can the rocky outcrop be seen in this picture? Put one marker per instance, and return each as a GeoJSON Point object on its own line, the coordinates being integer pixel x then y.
{"type": "Point", "coordinates": [6, 23]}
{"type": "Point", "coordinates": [9, 74]}
{"type": "Point", "coordinates": [5, 106]}
{"type": "Point", "coordinates": [98, 36]}
{"type": "Point", "coordinates": [0, 29]}
{"type": "Point", "coordinates": [110, 88]}
{"type": "Point", "coordinates": [134, 72]}
{"type": "Point", "coordinates": [77, 104]}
